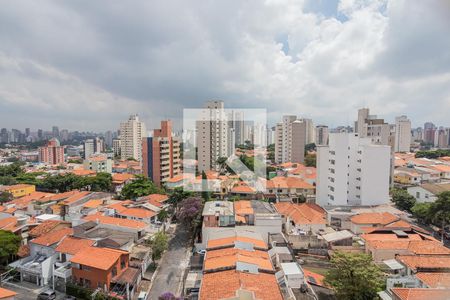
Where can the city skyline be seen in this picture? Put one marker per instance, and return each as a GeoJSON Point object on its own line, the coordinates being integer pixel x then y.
{"type": "Point", "coordinates": [317, 59]}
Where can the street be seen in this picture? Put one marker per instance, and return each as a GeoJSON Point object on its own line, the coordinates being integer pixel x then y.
{"type": "Point", "coordinates": [172, 265]}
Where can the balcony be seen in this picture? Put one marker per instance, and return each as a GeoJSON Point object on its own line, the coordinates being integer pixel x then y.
{"type": "Point", "coordinates": [63, 270]}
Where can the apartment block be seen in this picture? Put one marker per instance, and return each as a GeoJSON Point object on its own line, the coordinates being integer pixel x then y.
{"type": "Point", "coordinates": [290, 140]}
{"type": "Point", "coordinates": [322, 135]}
{"type": "Point", "coordinates": [52, 153]}
{"type": "Point", "coordinates": [402, 134]}
{"type": "Point", "coordinates": [161, 154]}
{"type": "Point", "coordinates": [352, 171]}
{"type": "Point", "coordinates": [131, 134]}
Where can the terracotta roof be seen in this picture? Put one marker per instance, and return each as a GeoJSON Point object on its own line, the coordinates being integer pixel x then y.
{"type": "Point", "coordinates": [228, 257]}
{"type": "Point", "coordinates": [76, 197]}
{"type": "Point", "coordinates": [156, 198]}
{"type": "Point", "coordinates": [94, 203]}
{"type": "Point", "coordinates": [305, 213]}
{"type": "Point", "coordinates": [314, 278]}
{"type": "Point", "coordinates": [4, 293]}
{"type": "Point", "coordinates": [415, 247]}
{"type": "Point", "coordinates": [442, 168]}
{"type": "Point", "coordinates": [435, 280]}
{"type": "Point", "coordinates": [223, 285]}
{"type": "Point", "coordinates": [416, 262]}
{"type": "Point", "coordinates": [8, 223]}
{"type": "Point", "coordinates": [374, 218]}
{"type": "Point", "coordinates": [71, 245]}
{"type": "Point", "coordinates": [399, 224]}
{"type": "Point", "coordinates": [390, 237]}
{"type": "Point", "coordinates": [120, 206]}
{"type": "Point", "coordinates": [82, 172]}
{"type": "Point", "coordinates": [44, 228]}
{"type": "Point", "coordinates": [116, 221]}
{"type": "Point", "coordinates": [421, 294]}
{"type": "Point", "coordinates": [24, 251]}
{"type": "Point", "coordinates": [51, 238]}
{"type": "Point", "coordinates": [229, 241]}
{"type": "Point", "coordinates": [436, 188]}
{"type": "Point", "coordinates": [243, 189]}
{"type": "Point", "coordinates": [119, 178]}
{"type": "Point", "coordinates": [23, 202]}
{"type": "Point", "coordinates": [288, 182]}
{"type": "Point", "coordinates": [138, 213]}
{"type": "Point", "coordinates": [99, 258]}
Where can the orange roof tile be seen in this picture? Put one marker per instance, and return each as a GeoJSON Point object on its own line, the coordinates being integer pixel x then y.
{"type": "Point", "coordinates": [116, 221]}
{"type": "Point", "coordinates": [138, 213]}
{"type": "Point", "coordinates": [304, 213]}
{"type": "Point", "coordinates": [223, 285]}
{"type": "Point", "coordinates": [288, 182]}
{"type": "Point", "coordinates": [4, 293]}
{"type": "Point", "coordinates": [23, 202]}
{"type": "Point", "coordinates": [82, 172]}
{"type": "Point", "coordinates": [72, 245]}
{"type": "Point", "coordinates": [8, 223]}
{"type": "Point", "coordinates": [24, 251]}
{"type": "Point", "coordinates": [44, 228]}
{"type": "Point", "coordinates": [390, 237]}
{"type": "Point", "coordinates": [241, 209]}
{"type": "Point", "coordinates": [314, 278]}
{"type": "Point", "coordinates": [120, 206]}
{"type": "Point", "coordinates": [76, 197]}
{"type": "Point", "coordinates": [229, 241]}
{"type": "Point", "coordinates": [119, 178]}
{"type": "Point", "coordinates": [421, 294]}
{"type": "Point", "coordinates": [94, 203]}
{"type": "Point", "coordinates": [441, 168]}
{"type": "Point", "coordinates": [435, 280]}
{"type": "Point", "coordinates": [51, 238]}
{"type": "Point", "coordinates": [156, 198]}
{"type": "Point", "coordinates": [99, 258]}
{"type": "Point", "coordinates": [374, 218]}
{"type": "Point", "coordinates": [243, 189]}
{"type": "Point", "coordinates": [416, 262]}
{"type": "Point", "coordinates": [415, 247]}
{"type": "Point", "coordinates": [228, 257]}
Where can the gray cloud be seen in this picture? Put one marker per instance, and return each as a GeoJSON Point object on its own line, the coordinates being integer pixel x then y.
{"type": "Point", "coordinates": [87, 64]}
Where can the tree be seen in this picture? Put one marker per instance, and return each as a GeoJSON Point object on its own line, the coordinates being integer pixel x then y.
{"type": "Point", "coordinates": [9, 244]}
{"type": "Point", "coordinates": [159, 244]}
{"type": "Point", "coordinates": [102, 182]}
{"type": "Point", "coordinates": [205, 193]}
{"type": "Point", "coordinates": [310, 160]}
{"type": "Point", "coordinates": [440, 211]}
{"type": "Point", "coordinates": [421, 211]}
{"type": "Point", "coordinates": [163, 215]}
{"type": "Point", "coordinates": [310, 147]}
{"type": "Point", "coordinates": [402, 199]}
{"type": "Point", "coordinates": [140, 187]}
{"type": "Point", "coordinates": [5, 197]}
{"type": "Point", "coordinates": [168, 296]}
{"type": "Point", "coordinates": [354, 276]}
{"type": "Point", "coordinates": [190, 210]}
{"type": "Point", "coordinates": [178, 195]}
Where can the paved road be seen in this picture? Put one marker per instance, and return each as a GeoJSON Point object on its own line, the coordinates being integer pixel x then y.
{"type": "Point", "coordinates": [172, 265]}
{"type": "Point", "coordinates": [27, 291]}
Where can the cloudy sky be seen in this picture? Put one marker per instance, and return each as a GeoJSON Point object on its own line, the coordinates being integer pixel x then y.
{"type": "Point", "coordinates": [88, 64]}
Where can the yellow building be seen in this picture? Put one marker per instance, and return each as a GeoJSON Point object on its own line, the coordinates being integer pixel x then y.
{"type": "Point", "coordinates": [20, 190]}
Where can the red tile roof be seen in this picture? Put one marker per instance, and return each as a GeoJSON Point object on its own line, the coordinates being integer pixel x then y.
{"type": "Point", "coordinates": [229, 241]}
{"type": "Point", "coordinates": [374, 218]}
{"type": "Point", "coordinates": [44, 228]}
{"type": "Point", "coordinates": [288, 182]}
{"type": "Point", "coordinates": [51, 238]}
{"type": "Point", "coordinates": [4, 293]}
{"type": "Point", "coordinates": [72, 245]}
{"type": "Point", "coordinates": [417, 262]}
{"type": "Point", "coordinates": [76, 197]}
{"type": "Point", "coordinates": [305, 213]}
{"type": "Point", "coordinates": [99, 258]}
{"type": "Point", "coordinates": [228, 257]}
{"type": "Point", "coordinates": [117, 221]}
{"type": "Point", "coordinates": [223, 285]}
{"type": "Point", "coordinates": [135, 212]}
{"type": "Point", "coordinates": [435, 280]}
{"type": "Point", "coordinates": [421, 294]}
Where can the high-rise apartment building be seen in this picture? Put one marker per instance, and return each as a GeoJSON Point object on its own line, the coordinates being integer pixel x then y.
{"type": "Point", "coordinates": [131, 134]}
{"type": "Point", "coordinates": [236, 122]}
{"type": "Point", "coordinates": [290, 140]}
{"type": "Point", "coordinates": [352, 171]}
{"type": "Point", "coordinates": [310, 130]}
{"type": "Point", "coordinates": [212, 136]}
{"type": "Point", "coordinates": [108, 138]}
{"type": "Point", "coordinates": [402, 134]}
{"type": "Point", "coordinates": [52, 153]}
{"type": "Point", "coordinates": [322, 135]}
{"type": "Point", "coordinates": [93, 146]}
{"type": "Point", "coordinates": [55, 132]}
{"type": "Point", "coordinates": [161, 154]}
{"type": "Point", "coordinates": [429, 130]}
{"type": "Point", "coordinates": [116, 147]}
{"type": "Point", "coordinates": [442, 137]}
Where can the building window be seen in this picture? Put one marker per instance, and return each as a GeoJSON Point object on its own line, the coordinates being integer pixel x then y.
{"type": "Point", "coordinates": [114, 271]}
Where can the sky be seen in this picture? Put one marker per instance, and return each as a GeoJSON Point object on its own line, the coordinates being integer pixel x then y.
{"type": "Point", "coordinates": [87, 65]}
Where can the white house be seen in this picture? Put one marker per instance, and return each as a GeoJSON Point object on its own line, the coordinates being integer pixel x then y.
{"type": "Point", "coordinates": [428, 192]}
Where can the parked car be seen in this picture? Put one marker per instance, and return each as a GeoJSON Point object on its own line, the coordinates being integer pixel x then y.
{"type": "Point", "coordinates": [142, 296]}
{"type": "Point", "coordinates": [201, 252]}
{"type": "Point", "coordinates": [47, 295]}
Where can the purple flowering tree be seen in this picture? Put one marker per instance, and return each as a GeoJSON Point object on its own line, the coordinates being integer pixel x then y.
{"type": "Point", "coordinates": [168, 296]}
{"type": "Point", "coordinates": [190, 209]}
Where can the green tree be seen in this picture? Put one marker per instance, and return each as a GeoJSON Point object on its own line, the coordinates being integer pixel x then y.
{"type": "Point", "coordinates": [102, 182]}
{"type": "Point", "coordinates": [9, 244]}
{"type": "Point", "coordinates": [440, 211]}
{"type": "Point", "coordinates": [421, 211]}
{"type": "Point", "coordinates": [159, 244]}
{"type": "Point", "coordinates": [354, 276]}
{"type": "Point", "coordinates": [140, 187]}
{"type": "Point", "coordinates": [310, 160]}
{"type": "Point", "coordinates": [7, 180]}
{"type": "Point", "coordinates": [5, 197]}
{"type": "Point", "coordinates": [178, 195]}
{"type": "Point", "coordinates": [163, 215]}
{"type": "Point", "coordinates": [13, 170]}
{"type": "Point", "coordinates": [402, 199]}
{"type": "Point", "coordinates": [310, 147]}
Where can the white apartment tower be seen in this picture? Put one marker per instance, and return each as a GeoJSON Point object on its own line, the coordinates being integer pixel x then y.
{"type": "Point", "coordinates": [352, 171]}
{"type": "Point", "coordinates": [402, 134]}
{"type": "Point", "coordinates": [212, 136]}
{"type": "Point", "coordinates": [290, 140]}
{"type": "Point", "coordinates": [131, 134]}
{"type": "Point", "coordinates": [322, 135]}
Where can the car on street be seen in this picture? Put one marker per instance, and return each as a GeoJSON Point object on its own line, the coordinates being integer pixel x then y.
{"type": "Point", "coordinates": [47, 295]}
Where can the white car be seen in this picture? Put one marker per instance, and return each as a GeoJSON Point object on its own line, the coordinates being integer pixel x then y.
{"type": "Point", "coordinates": [201, 252]}
{"type": "Point", "coordinates": [142, 296]}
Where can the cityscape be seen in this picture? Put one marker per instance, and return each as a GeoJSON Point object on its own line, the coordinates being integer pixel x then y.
{"type": "Point", "coordinates": [289, 150]}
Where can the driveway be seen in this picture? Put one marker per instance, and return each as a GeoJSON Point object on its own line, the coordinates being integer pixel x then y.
{"type": "Point", "coordinates": [172, 265]}
{"type": "Point", "coordinates": [28, 291]}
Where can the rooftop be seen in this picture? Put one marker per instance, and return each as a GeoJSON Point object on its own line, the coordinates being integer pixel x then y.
{"type": "Point", "coordinates": [116, 221]}
{"type": "Point", "coordinates": [99, 258]}
{"type": "Point", "coordinates": [417, 262]}
{"type": "Point", "coordinates": [229, 257]}
{"type": "Point", "coordinates": [72, 245]}
{"type": "Point", "coordinates": [435, 280]}
{"type": "Point", "coordinates": [421, 294]}
{"type": "Point", "coordinates": [383, 218]}
{"type": "Point", "coordinates": [53, 237]}
{"type": "Point", "coordinates": [305, 213]}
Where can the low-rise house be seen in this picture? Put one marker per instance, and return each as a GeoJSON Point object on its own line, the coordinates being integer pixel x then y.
{"type": "Point", "coordinates": [218, 214]}
{"type": "Point", "coordinates": [419, 294]}
{"type": "Point", "coordinates": [444, 170]}
{"type": "Point", "coordinates": [7, 294]}
{"type": "Point", "coordinates": [404, 175]}
{"type": "Point", "coordinates": [120, 179]}
{"type": "Point", "coordinates": [301, 218]}
{"type": "Point", "coordinates": [98, 164]}
{"type": "Point", "coordinates": [370, 220]}
{"type": "Point", "coordinates": [434, 280]}
{"type": "Point", "coordinates": [428, 192]}
{"type": "Point", "coordinates": [291, 187]}
{"type": "Point", "coordinates": [425, 263]}
{"type": "Point", "coordinates": [18, 190]}
{"type": "Point", "coordinates": [138, 228]}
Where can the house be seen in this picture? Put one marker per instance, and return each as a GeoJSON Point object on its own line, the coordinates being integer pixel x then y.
{"type": "Point", "coordinates": [434, 280]}
{"type": "Point", "coordinates": [244, 259]}
{"type": "Point", "coordinates": [425, 263]}
{"type": "Point", "coordinates": [301, 218]}
{"type": "Point", "coordinates": [370, 220]}
{"type": "Point", "coordinates": [47, 227]}
{"type": "Point", "coordinates": [428, 192]}
{"type": "Point", "coordinates": [138, 228]}
{"type": "Point", "coordinates": [444, 170]}
{"type": "Point", "coordinates": [218, 214]}
{"type": "Point", "coordinates": [404, 175]}
{"type": "Point", "coordinates": [120, 179]}
{"type": "Point", "coordinates": [104, 268]}
{"type": "Point", "coordinates": [419, 294]}
{"type": "Point", "coordinates": [18, 190]}
{"type": "Point", "coordinates": [292, 187]}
